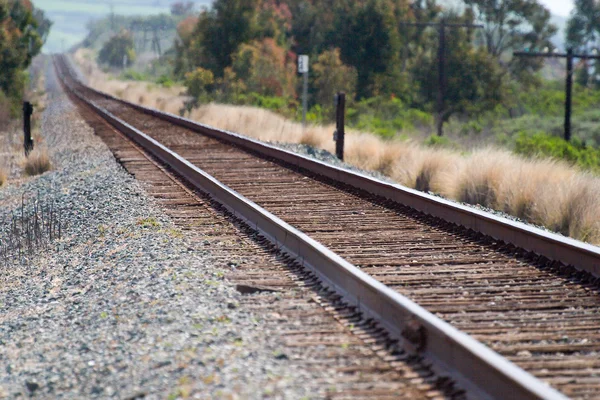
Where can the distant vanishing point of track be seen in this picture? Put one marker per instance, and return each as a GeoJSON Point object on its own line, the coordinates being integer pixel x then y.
{"type": "Point", "coordinates": [537, 312]}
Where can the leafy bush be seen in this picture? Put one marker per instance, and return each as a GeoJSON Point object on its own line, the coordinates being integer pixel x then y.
{"type": "Point", "coordinates": [133, 75]}
{"type": "Point", "coordinates": [438, 141]}
{"type": "Point", "coordinates": [551, 146]}
{"type": "Point", "coordinates": [199, 82]}
{"type": "Point", "coordinates": [165, 81]}
{"type": "Point", "coordinates": [282, 105]}
{"type": "Point", "coordinates": [386, 117]}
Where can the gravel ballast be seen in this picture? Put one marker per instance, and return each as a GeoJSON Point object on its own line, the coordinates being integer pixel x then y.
{"type": "Point", "coordinates": [122, 306]}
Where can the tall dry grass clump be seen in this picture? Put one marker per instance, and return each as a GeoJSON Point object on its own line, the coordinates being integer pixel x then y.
{"type": "Point", "coordinates": [3, 175]}
{"type": "Point", "coordinates": [481, 177]}
{"type": "Point", "coordinates": [37, 162]}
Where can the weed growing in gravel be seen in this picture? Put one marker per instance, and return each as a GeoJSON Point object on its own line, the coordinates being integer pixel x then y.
{"type": "Point", "coordinates": [31, 227]}
{"type": "Point", "coordinates": [37, 162]}
{"type": "Point", "coordinates": [150, 222]}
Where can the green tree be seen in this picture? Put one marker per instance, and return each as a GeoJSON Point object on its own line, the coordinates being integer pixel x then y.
{"type": "Point", "coordinates": [513, 25]}
{"type": "Point", "coordinates": [266, 68]}
{"type": "Point", "coordinates": [474, 80]}
{"type": "Point", "coordinates": [330, 76]}
{"type": "Point", "coordinates": [118, 50]}
{"type": "Point", "coordinates": [583, 26]}
{"type": "Point", "coordinates": [229, 24]}
{"type": "Point", "coordinates": [23, 30]}
{"type": "Point", "coordinates": [583, 33]}
{"type": "Point", "coordinates": [369, 41]}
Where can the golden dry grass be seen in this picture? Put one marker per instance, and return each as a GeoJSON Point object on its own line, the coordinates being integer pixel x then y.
{"type": "Point", "coordinates": [37, 162]}
{"type": "Point", "coordinates": [545, 192]}
{"type": "Point", "coordinates": [3, 175]}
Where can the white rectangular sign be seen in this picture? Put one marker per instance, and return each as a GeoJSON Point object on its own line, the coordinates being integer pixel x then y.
{"type": "Point", "coordinates": [302, 64]}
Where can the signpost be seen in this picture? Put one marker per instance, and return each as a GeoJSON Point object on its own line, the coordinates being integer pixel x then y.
{"type": "Point", "coordinates": [303, 69]}
{"type": "Point", "coordinates": [569, 55]}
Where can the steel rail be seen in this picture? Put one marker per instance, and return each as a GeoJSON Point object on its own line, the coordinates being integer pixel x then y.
{"type": "Point", "coordinates": [483, 372]}
{"type": "Point", "coordinates": [555, 247]}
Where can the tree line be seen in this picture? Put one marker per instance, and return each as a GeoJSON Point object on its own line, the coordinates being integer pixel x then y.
{"type": "Point", "coordinates": [368, 48]}
{"type": "Point", "coordinates": [23, 31]}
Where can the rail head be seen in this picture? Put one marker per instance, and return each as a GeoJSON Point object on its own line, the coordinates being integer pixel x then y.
{"type": "Point", "coordinates": [477, 368]}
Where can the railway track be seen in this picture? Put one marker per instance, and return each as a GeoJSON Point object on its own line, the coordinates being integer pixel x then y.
{"type": "Point", "coordinates": [332, 336]}
{"type": "Point", "coordinates": [529, 306]}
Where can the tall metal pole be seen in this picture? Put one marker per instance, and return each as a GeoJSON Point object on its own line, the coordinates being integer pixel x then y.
{"type": "Point", "coordinates": [569, 94]}
{"type": "Point", "coordinates": [441, 77]}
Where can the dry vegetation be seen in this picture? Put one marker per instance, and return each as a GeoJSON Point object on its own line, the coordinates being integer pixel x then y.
{"type": "Point", "coordinates": [544, 192]}
{"type": "Point", "coordinates": [3, 175]}
{"type": "Point", "coordinates": [37, 162]}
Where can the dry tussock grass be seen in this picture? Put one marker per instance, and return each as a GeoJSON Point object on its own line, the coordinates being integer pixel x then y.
{"type": "Point", "coordinates": [3, 175]}
{"type": "Point", "coordinates": [37, 162]}
{"type": "Point", "coordinates": [541, 191]}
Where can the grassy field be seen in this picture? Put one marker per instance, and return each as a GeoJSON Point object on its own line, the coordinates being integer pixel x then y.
{"type": "Point", "coordinates": [71, 16]}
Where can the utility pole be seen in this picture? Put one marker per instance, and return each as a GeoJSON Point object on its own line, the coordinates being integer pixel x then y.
{"type": "Point", "coordinates": [441, 26]}
{"type": "Point", "coordinates": [569, 55]}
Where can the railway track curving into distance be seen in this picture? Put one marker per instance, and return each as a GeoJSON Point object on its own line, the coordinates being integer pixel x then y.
{"type": "Point", "coordinates": [530, 296]}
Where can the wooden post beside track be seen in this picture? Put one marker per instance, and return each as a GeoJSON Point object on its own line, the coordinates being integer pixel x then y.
{"type": "Point", "coordinates": [27, 140]}
{"type": "Point", "coordinates": [340, 101]}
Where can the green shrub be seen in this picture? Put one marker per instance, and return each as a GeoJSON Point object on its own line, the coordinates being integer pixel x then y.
{"type": "Point", "coordinates": [165, 81]}
{"type": "Point", "coordinates": [386, 117]}
{"type": "Point", "coordinates": [541, 144]}
{"type": "Point", "coordinates": [438, 141]}
{"type": "Point", "coordinates": [133, 75]}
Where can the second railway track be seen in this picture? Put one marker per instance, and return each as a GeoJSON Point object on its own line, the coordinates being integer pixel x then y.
{"type": "Point", "coordinates": [540, 314]}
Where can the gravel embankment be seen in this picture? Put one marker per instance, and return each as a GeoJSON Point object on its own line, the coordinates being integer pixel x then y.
{"type": "Point", "coordinates": [122, 306]}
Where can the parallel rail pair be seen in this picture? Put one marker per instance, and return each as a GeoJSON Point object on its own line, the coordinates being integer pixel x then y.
{"type": "Point", "coordinates": [475, 366]}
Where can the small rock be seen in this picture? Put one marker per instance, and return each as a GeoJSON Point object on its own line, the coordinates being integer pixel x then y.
{"type": "Point", "coordinates": [162, 364]}
{"type": "Point", "coordinates": [32, 386]}
{"type": "Point", "coordinates": [97, 390]}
